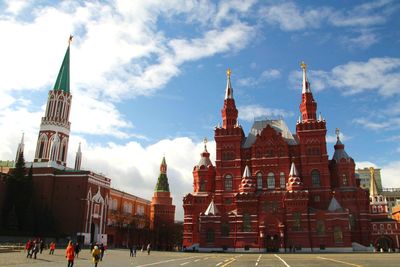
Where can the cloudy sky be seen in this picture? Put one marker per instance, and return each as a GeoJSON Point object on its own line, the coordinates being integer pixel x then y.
{"type": "Point", "coordinates": [148, 78]}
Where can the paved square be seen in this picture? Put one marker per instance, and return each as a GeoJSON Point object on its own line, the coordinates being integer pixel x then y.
{"type": "Point", "coordinates": [120, 258]}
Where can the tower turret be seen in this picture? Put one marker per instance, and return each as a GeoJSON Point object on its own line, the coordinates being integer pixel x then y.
{"type": "Point", "coordinates": [229, 111]}
{"type": "Point", "coordinates": [52, 144]}
{"type": "Point", "coordinates": [308, 106]}
{"type": "Point", "coordinates": [204, 172]}
{"type": "Point", "coordinates": [342, 165]}
{"type": "Point", "coordinates": [162, 212]}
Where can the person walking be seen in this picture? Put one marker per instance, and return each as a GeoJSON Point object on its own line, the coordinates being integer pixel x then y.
{"type": "Point", "coordinates": [148, 249]}
{"type": "Point", "coordinates": [96, 254]}
{"type": "Point", "coordinates": [70, 254]}
{"type": "Point", "coordinates": [41, 246]}
{"type": "Point", "coordinates": [77, 249]}
{"type": "Point", "coordinates": [52, 248]}
{"type": "Point", "coordinates": [28, 248]}
{"type": "Point", "coordinates": [134, 251]}
{"type": "Point", "coordinates": [102, 249]}
{"type": "Point", "coordinates": [35, 249]}
{"type": "Point", "coordinates": [130, 250]}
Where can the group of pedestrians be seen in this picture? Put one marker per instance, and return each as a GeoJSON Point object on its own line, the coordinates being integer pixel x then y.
{"type": "Point", "coordinates": [33, 247]}
{"type": "Point", "coordinates": [72, 251]}
{"type": "Point", "coordinates": [132, 250]}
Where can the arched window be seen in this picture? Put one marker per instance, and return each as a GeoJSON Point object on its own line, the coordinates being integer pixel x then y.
{"type": "Point", "coordinates": [202, 185]}
{"type": "Point", "coordinates": [315, 178]}
{"type": "Point", "coordinates": [228, 182]}
{"type": "Point", "coordinates": [246, 223]}
{"type": "Point", "coordinates": [282, 180]}
{"type": "Point", "coordinates": [296, 221]}
{"type": "Point", "coordinates": [210, 235]}
{"type": "Point", "coordinates": [225, 229]}
{"type": "Point", "coordinates": [344, 179]}
{"type": "Point", "coordinates": [271, 180]}
{"type": "Point", "coordinates": [320, 227]}
{"type": "Point", "coordinates": [259, 181]}
{"type": "Point", "coordinates": [337, 234]}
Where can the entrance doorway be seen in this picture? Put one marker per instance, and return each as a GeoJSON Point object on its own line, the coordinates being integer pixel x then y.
{"type": "Point", "coordinates": [384, 243]}
{"type": "Point", "coordinates": [272, 243]}
{"type": "Point", "coordinates": [94, 232]}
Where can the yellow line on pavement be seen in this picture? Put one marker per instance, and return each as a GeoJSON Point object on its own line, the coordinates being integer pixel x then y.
{"type": "Point", "coordinates": [229, 262]}
{"type": "Point", "coordinates": [347, 263]}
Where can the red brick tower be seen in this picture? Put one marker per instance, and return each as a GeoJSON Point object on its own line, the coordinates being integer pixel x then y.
{"type": "Point", "coordinates": [162, 212]}
{"type": "Point", "coordinates": [313, 165]}
{"type": "Point", "coordinates": [52, 144]}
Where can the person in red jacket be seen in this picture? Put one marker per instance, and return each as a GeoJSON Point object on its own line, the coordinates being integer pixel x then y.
{"type": "Point", "coordinates": [70, 254]}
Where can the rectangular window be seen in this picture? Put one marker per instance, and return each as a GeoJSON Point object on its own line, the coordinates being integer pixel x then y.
{"type": "Point", "coordinates": [296, 221]}
{"type": "Point", "coordinates": [282, 180]}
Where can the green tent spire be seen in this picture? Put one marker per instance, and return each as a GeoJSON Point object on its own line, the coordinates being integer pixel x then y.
{"type": "Point", "coordinates": [162, 182]}
{"type": "Point", "coordinates": [62, 82]}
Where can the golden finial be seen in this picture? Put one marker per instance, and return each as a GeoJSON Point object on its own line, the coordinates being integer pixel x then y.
{"type": "Point", "coordinates": [337, 131]}
{"type": "Point", "coordinates": [303, 65]}
{"type": "Point", "coordinates": [228, 72]}
{"type": "Point", "coordinates": [372, 171]}
{"type": "Point", "coordinates": [205, 143]}
{"type": "Point", "coordinates": [70, 39]}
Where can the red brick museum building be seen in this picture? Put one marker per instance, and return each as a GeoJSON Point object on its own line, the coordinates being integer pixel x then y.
{"type": "Point", "coordinates": [273, 190]}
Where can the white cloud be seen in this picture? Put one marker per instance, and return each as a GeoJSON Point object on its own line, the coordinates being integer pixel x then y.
{"type": "Point", "coordinates": [380, 74]}
{"type": "Point", "coordinates": [16, 6]}
{"type": "Point", "coordinates": [364, 40]}
{"type": "Point", "coordinates": [268, 74]}
{"type": "Point", "coordinates": [390, 174]}
{"type": "Point", "coordinates": [290, 17]}
{"type": "Point", "coordinates": [251, 112]}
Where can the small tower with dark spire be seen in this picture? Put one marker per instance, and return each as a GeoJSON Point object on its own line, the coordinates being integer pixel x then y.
{"type": "Point", "coordinates": [204, 172]}
{"type": "Point", "coordinates": [52, 144]}
{"type": "Point", "coordinates": [162, 212]}
{"type": "Point", "coordinates": [342, 166]}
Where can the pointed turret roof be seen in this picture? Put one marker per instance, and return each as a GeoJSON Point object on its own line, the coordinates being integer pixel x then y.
{"type": "Point", "coordinates": [306, 84]}
{"type": "Point", "coordinates": [247, 184]}
{"type": "Point", "coordinates": [293, 171]}
{"type": "Point", "coordinates": [162, 181]}
{"type": "Point", "coordinates": [205, 156]}
{"type": "Point", "coordinates": [340, 153]}
{"type": "Point", "coordinates": [228, 90]}
{"type": "Point", "coordinates": [294, 181]}
{"type": "Point", "coordinates": [211, 209]}
{"type": "Point", "coordinates": [62, 82]}
{"type": "Point", "coordinates": [334, 205]}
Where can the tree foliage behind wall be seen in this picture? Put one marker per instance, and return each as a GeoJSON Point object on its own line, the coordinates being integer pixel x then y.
{"type": "Point", "coordinates": [18, 199]}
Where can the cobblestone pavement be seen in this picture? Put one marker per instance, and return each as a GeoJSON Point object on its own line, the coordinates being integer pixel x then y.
{"type": "Point", "coordinates": [120, 258]}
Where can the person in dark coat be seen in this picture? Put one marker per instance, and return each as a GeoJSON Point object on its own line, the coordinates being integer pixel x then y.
{"type": "Point", "coordinates": [41, 246]}
{"type": "Point", "coordinates": [77, 249]}
{"type": "Point", "coordinates": [35, 249]}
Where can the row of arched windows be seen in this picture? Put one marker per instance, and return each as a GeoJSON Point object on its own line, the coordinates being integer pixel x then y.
{"type": "Point", "coordinates": [52, 149]}
{"type": "Point", "coordinates": [58, 108]}
{"type": "Point", "coordinates": [270, 183]}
